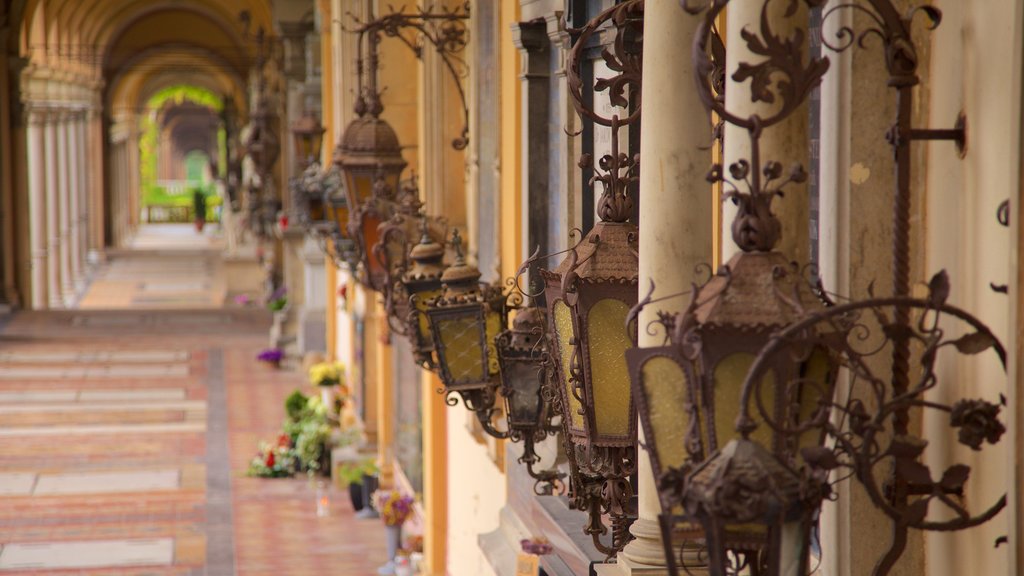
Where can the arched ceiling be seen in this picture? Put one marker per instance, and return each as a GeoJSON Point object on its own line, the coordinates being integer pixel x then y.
{"type": "Point", "coordinates": [137, 47]}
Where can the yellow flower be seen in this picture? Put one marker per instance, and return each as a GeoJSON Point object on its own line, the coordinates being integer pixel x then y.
{"type": "Point", "coordinates": [327, 374]}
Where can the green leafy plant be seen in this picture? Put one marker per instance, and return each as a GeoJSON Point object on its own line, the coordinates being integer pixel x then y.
{"type": "Point", "coordinates": [199, 203]}
{"type": "Point", "coordinates": [294, 404]}
{"type": "Point", "coordinates": [353, 472]}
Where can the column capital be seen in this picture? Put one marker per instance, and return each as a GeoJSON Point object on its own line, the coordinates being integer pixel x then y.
{"type": "Point", "coordinates": [530, 36]}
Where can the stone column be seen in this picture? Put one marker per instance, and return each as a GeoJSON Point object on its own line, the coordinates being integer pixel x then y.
{"type": "Point", "coordinates": [52, 212]}
{"type": "Point", "coordinates": [75, 205]}
{"type": "Point", "coordinates": [97, 183]}
{"type": "Point", "coordinates": [37, 189]}
{"type": "Point", "coordinates": [531, 38]}
{"type": "Point", "coordinates": [786, 142]}
{"type": "Point", "coordinates": [64, 176]}
{"type": "Point", "coordinates": [675, 218]}
{"type": "Point", "coordinates": [85, 187]}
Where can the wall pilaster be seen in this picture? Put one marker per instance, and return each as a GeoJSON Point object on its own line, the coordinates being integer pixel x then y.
{"type": "Point", "coordinates": [37, 191]}
{"type": "Point", "coordinates": [51, 165]}
{"type": "Point", "coordinates": [64, 178]}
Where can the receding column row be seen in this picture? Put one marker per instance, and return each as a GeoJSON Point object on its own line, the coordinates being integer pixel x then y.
{"type": "Point", "coordinates": [58, 189]}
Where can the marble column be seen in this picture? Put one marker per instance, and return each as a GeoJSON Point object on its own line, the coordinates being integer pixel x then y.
{"type": "Point", "coordinates": [85, 174]}
{"type": "Point", "coordinates": [36, 153]}
{"type": "Point", "coordinates": [675, 220]}
{"type": "Point", "coordinates": [64, 176]}
{"type": "Point", "coordinates": [52, 167]}
{"type": "Point", "coordinates": [75, 204]}
{"type": "Point", "coordinates": [98, 168]}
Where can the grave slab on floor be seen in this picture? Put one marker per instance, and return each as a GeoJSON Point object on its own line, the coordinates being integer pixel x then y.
{"type": "Point", "coordinates": [87, 554]}
{"type": "Point", "coordinates": [107, 482]}
{"type": "Point", "coordinates": [16, 483]}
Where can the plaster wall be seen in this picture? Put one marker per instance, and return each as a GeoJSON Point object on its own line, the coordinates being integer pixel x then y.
{"type": "Point", "coordinates": [964, 239]}
{"type": "Point", "coordinates": [477, 492]}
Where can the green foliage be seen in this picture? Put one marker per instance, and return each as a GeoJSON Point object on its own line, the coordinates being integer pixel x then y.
{"type": "Point", "coordinates": [311, 442]}
{"type": "Point", "coordinates": [184, 92]}
{"type": "Point", "coordinates": [150, 130]}
{"type": "Point", "coordinates": [352, 472]}
{"type": "Point", "coordinates": [294, 404]}
{"type": "Point", "coordinates": [199, 203]}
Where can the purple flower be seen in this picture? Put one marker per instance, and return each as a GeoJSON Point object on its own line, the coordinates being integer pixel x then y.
{"type": "Point", "coordinates": [271, 355]}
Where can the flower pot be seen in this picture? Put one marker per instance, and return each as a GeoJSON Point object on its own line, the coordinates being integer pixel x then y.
{"type": "Point", "coordinates": [327, 395]}
{"type": "Point", "coordinates": [370, 485]}
{"type": "Point", "coordinates": [200, 223]}
{"type": "Point", "coordinates": [355, 493]}
{"type": "Point", "coordinates": [394, 540]}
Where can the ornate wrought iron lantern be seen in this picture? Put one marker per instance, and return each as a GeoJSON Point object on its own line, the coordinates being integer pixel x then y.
{"type": "Point", "coordinates": [308, 197]}
{"type": "Point", "coordinates": [308, 133]}
{"type": "Point", "coordinates": [522, 354]}
{"type": "Point", "coordinates": [738, 406]}
{"type": "Point", "coordinates": [464, 322]}
{"type": "Point", "coordinates": [412, 269]}
{"type": "Point", "coordinates": [336, 221]}
{"type": "Point", "coordinates": [689, 395]}
{"type": "Point", "coordinates": [371, 162]}
{"type": "Point", "coordinates": [369, 152]}
{"type": "Point", "coordinates": [589, 296]}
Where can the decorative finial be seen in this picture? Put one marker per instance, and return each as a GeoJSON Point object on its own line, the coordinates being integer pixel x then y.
{"type": "Point", "coordinates": [460, 258]}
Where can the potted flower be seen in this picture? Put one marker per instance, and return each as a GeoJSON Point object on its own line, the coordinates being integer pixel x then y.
{"type": "Point", "coordinates": [199, 208]}
{"type": "Point", "coordinates": [278, 299]}
{"type": "Point", "coordinates": [275, 460]}
{"type": "Point", "coordinates": [353, 475]}
{"type": "Point", "coordinates": [272, 356]}
{"type": "Point", "coordinates": [327, 375]}
{"type": "Point", "coordinates": [394, 508]}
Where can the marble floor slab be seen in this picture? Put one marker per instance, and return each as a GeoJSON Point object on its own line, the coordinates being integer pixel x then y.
{"type": "Point", "coordinates": [26, 397]}
{"type": "Point", "coordinates": [95, 429]}
{"type": "Point", "coordinates": [107, 482]}
{"type": "Point", "coordinates": [114, 356]}
{"type": "Point", "coordinates": [152, 394]}
{"type": "Point", "coordinates": [78, 371]}
{"type": "Point", "coordinates": [33, 396]}
{"type": "Point", "coordinates": [184, 405]}
{"type": "Point", "coordinates": [16, 483]}
{"type": "Point", "coordinates": [87, 554]}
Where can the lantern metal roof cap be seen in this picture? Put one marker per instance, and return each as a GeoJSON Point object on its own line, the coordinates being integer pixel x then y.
{"type": "Point", "coordinates": [426, 250]}
{"type": "Point", "coordinates": [308, 123]}
{"type": "Point", "coordinates": [369, 137]}
{"type": "Point", "coordinates": [742, 483]}
{"type": "Point", "coordinates": [460, 279]}
{"type": "Point", "coordinates": [608, 252]}
{"type": "Point", "coordinates": [426, 257]}
{"type": "Point", "coordinates": [753, 289]}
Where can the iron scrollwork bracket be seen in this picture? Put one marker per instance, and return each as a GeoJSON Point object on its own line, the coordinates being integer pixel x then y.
{"type": "Point", "coordinates": [444, 29]}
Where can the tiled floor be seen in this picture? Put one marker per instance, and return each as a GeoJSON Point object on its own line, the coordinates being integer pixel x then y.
{"type": "Point", "coordinates": [124, 438]}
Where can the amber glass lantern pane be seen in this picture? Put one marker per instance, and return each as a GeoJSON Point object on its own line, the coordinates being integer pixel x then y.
{"type": "Point", "coordinates": [664, 386]}
{"type": "Point", "coordinates": [337, 208]}
{"type": "Point", "coordinates": [358, 183]}
{"type": "Point", "coordinates": [608, 341]}
{"type": "Point", "coordinates": [459, 332]}
{"type": "Point", "coordinates": [563, 336]}
{"type": "Point", "coordinates": [729, 375]}
{"type": "Point", "coordinates": [420, 302]}
{"type": "Point", "coordinates": [371, 236]}
{"type": "Point", "coordinates": [315, 203]}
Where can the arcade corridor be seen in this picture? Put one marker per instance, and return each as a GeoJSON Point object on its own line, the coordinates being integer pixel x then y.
{"type": "Point", "coordinates": [125, 434]}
